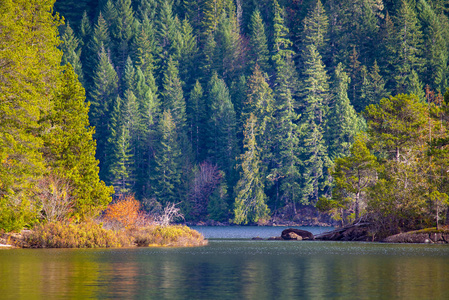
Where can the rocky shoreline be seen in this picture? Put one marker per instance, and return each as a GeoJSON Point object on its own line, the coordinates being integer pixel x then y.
{"type": "Point", "coordinates": [361, 233]}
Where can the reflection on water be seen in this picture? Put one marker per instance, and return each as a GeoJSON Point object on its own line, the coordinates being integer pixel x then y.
{"type": "Point", "coordinates": [230, 269]}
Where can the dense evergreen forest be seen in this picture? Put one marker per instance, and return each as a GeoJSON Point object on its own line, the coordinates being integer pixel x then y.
{"type": "Point", "coordinates": [234, 110]}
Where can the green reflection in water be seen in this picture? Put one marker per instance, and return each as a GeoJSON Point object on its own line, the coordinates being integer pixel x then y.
{"type": "Point", "coordinates": [230, 270]}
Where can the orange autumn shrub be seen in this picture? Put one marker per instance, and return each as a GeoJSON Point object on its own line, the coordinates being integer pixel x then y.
{"type": "Point", "coordinates": [124, 211]}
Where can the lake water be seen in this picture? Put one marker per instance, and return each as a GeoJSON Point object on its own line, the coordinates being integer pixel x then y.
{"type": "Point", "coordinates": [230, 267]}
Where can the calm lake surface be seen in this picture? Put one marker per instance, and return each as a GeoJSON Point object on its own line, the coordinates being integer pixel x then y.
{"type": "Point", "coordinates": [230, 267]}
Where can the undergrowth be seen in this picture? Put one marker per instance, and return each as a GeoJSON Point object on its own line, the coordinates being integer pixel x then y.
{"type": "Point", "coordinates": [92, 235]}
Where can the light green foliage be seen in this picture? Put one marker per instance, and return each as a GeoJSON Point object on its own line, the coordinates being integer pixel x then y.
{"type": "Point", "coordinates": [343, 122]}
{"type": "Point", "coordinates": [282, 44]}
{"type": "Point", "coordinates": [353, 175]}
{"type": "Point", "coordinates": [395, 123]}
{"type": "Point", "coordinates": [250, 203]}
{"type": "Point", "coordinates": [29, 69]}
{"type": "Point", "coordinates": [167, 175]}
{"type": "Point", "coordinates": [70, 149]}
{"type": "Point", "coordinates": [222, 143]}
{"type": "Point", "coordinates": [71, 51]}
{"type": "Point", "coordinates": [258, 42]}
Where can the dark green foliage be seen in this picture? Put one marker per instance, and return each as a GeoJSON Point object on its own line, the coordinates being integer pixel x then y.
{"type": "Point", "coordinates": [213, 63]}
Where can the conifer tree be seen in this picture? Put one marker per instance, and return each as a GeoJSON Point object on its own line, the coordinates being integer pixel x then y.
{"type": "Point", "coordinates": [315, 31]}
{"type": "Point", "coordinates": [70, 150]}
{"type": "Point", "coordinates": [250, 203]}
{"type": "Point", "coordinates": [103, 93]}
{"type": "Point", "coordinates": [144, 49]}
{"type": "Point", "coordinates": [173, 96]}
{"type": "Point", "coordinates": [100, 38]}
{"type": "Point", "coordinates": [222, 142]}
{"type": "Point", "coordinates": [71, 50]}
{"type": "Point", "coordinates": [436, 54]}
{"type": "Point", "coordinates": [85, 29]}
{"type": "Point", "coordinates": [373, 87]}
{"type": "Point", "coordinates": [196, 120]}
{"type": "Point", "coordinates": [258, 43]}
{"type": "Point", "coordinates": [229, 47]}
{"type": "Point", "coordinates": [212, 12]}
{"type": "Point", "coordinates": [315, 101]}
{"type": "Point", "coordinates": [123, 29]}
{"type": "Point", "coordinates": [409, 47]}
{"type": "Point", "coordinates": [260, 103]}
{"type": "Point", "coordinates": [343, 123]}
{"type": "Point", "coordinates": [29, 64]}
{"type": "Point", "coordinates": [167, 177]}
{"type": "Point", "coordinates": [282, 44]}
{"type": "Point", "coordinates": [166, 30]}
{"type": "Point", "coordinates": [285, 175]}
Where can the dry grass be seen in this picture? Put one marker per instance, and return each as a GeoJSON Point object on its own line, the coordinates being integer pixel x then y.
{"type": "Point", "coordinates": [93, 235]}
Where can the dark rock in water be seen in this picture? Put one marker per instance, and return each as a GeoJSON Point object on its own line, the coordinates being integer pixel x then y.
{"type": "Point", "coordinates": [419, 237]}
{"type": "Point", "coordinates": [257, 238]}
{"type": "Point", "coordinates": [355, 232]}
{"type": "Point", "coordinates": [275, 238]}
{"type": "Point", "coordinates": [293, 234]}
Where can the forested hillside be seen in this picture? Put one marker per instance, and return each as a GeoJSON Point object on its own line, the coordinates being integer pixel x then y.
{"type": "Point", "coordinates": [237, 109]}
{"type": "Point", "coordinates": [48, 170]}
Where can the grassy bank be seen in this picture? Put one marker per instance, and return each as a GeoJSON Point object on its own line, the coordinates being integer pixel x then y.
{"type": "Point", "coordinates": [94, 235]}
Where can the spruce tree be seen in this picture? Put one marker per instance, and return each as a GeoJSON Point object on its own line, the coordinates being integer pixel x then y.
{"type": "Point", "coordinates": [281, 41]}
{"type": "Point", "coordinates": [196, 121]}
{"type": "Point", "coordinates": [258, 52]}
{"type": "Point", "coordinates": [409, 47]}
{"type": "Point", "coordinates": [250, 203]}
{"type": "Point", "coordinates": [100, 38]}
{"type": "Point", "coordinates": [343, 123]}
{"type": "Point", "coordinates": [70, 149]}
{"type": "Point", "coordinates": [285, 174]}
{"type": "Point", "coordinates": [71, 50]}
{"type": "Point", "coordinates": [314, 102]}
{"type": "Point", "coordinates": [221, 142]}
{"type": "Point", "coordinates": [166, 177]}
{"type": "Point", "coordinates": [102, 95]}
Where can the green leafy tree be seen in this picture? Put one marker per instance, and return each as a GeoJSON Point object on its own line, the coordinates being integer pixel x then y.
{"type": "Point", "coordinates": [352, 175]}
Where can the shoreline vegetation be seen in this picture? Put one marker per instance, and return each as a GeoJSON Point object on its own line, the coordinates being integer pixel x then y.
{"type": "Point", "coordinates": [95, 235]}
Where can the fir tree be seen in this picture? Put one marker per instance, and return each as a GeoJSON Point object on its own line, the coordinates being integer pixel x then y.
{"type": "Point", "coordinates": [71, 51]}
{"type": "Point", "coordinates": [315, 101]}
{"type": "Point", "coordinates": [250, 203]}
{"type": "Point", "coordinates": [282, 44]}
{"type": "Point", "coordinates": [258, 43]}
{"type": "Point", "coordinates": [222, 142]}
{"type": "Point", "coordinates": [196, 120]}
{"type": "Point", "coordinates": [343, 124]}
{"type": "Point", "coordinates": [167, 176]}
{"type": "Point", "coordinates": [285, 175]}
{"type": "Point", "coordinates": [409, 47]}
{"type": "Point", "coordinates": [103, 93]}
